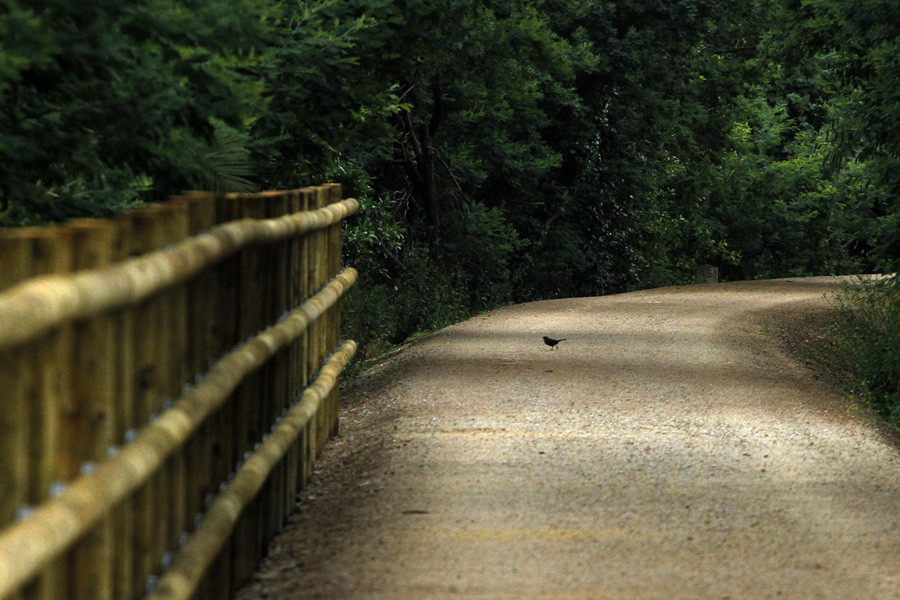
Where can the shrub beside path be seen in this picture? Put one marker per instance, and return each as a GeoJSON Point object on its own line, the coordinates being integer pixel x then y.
{"type": "Point", "coordinates": [667, 450]}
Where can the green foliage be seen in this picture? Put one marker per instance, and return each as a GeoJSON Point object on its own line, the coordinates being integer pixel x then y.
{"type": "Point", "coordinates": [502, 150]}
{"type": "Point", "coordinates": [480, 245]}
{"type": "Point", "coordinates": [375, 238]}
{"type": "Point", "coordinates": [419, 298]}
{"type": "Point", "coordinates": [102, 99]}
{"type": "Point", "coordinates": [328, 105]}
{"type": "Point", "coordinates": [787, 216]}
{"type": "Point", "coordinates": [405, 290]}
{"type": "Point", "coordinates": [225, 160]}
{"type": "Point", "coordinates": [101, 195]}
{"type": "Point", "coordinates": [855, 46]}
{"type": "Point", "coordinates": [867, 332]}
{"type": "Point", "coordinates": [430, 298]}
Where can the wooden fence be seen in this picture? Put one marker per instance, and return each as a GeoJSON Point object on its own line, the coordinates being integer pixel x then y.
{"type": "Point", "coordinates": [166, 380]}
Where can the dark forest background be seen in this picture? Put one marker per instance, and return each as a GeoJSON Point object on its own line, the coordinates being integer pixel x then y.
{"type": "Point", "coordinates": [503, 150]}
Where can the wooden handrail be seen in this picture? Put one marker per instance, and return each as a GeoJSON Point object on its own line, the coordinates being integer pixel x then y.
{"type": "Point", "coordinates": [180, 580]}
{"type": "Point", "coordinates": [29, 545]}
{"type": "Point", "coordinates": [42, 303]}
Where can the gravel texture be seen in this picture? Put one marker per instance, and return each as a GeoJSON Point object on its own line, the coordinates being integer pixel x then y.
{"type": "Point", "coordinates": [668, 449]}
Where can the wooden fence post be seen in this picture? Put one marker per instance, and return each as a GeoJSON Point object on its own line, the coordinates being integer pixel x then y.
{"type": "Point", "coordinates": [36, 386]}
{"type": "Point", "coordinates": [16, 378]}
{"type": "Point", "coordinates": [334, 313]}
{"type": "Point", "coordinates": [274, 513]}
{"type": "Point", "coordinates": [52, 254]}
{"type": "Point", "coordinates": [223, 445]}
{"type": "Point", "coordinates": [318, 350]}
{"type": "Point", "coordinates": [152, 228]}
{"type": "Point", "coordinates": [296, 289]}
{"type": "Point", "coordinates": [204, 346]}
{"type": "Point", "coordinates": [100, 375]}
{"type": "Point", "coordinates": [15, 252]}
{"type": "Point", "coordinates": [124, 420]}
{"type": "Point", "coordinates": [308, 438]}
{"type": "Point", "coordinates": [202, 296]}
{"type": "Point", "coordinates": [178, 228]}
{"type": "Point", "coordinates": [89, 428]}
{"type": "Point", "coordinates": [296, 294]}
{"type": "Point", "coordinates": [252, 313]}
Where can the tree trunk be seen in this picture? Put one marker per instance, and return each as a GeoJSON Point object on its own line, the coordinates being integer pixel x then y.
{"type": "Point", "coordinates": [419, 163]}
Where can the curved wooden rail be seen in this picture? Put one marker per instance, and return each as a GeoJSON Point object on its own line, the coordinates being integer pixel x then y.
{"type": "Point", "coordinates": [31, 544]}
{"type": "Point", "coordinates": [42, 303]}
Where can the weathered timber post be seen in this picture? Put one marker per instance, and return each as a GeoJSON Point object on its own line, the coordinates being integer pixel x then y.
{"type": "Point", "coordinates": [294, 352]}
{"type": "Point", "coordinates": [306, 339]}
{"type": "Point", "coordinates": [253, 305]}
{"type": "Point", "coordinates": [273, 513]}
{"type": "Point", "coordinates": [204, 315]}
{"type": "Point", "coordinates": [223, 427]}
{"type": "Point", "coordinates": [334, 313]}
{"type": "Point", "coordinates": [51, 254]}
{"type": "Point", "coordinates": [88, 427]}
{"type": "Point", "coordinates": [203, 347]}
{"type": "Point", "coordinates": [154, 381]}
{"type": "Point", "coordinates": [125, 420]}
{"type": "Point", "coordinates": [177, 228]}
{"type": "Point", "coordinates": [320, 337]}
{"type": "Point", "coordinates": [16, 376]}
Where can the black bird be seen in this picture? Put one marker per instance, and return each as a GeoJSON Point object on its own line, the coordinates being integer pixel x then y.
{"type": "Point", "coordinates": [551, 342]}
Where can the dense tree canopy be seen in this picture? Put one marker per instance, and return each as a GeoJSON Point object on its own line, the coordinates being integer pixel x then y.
{"type": "Point", "coordinates": [105, 100]}
{"type": "Point", "coordinates": [504, 149]}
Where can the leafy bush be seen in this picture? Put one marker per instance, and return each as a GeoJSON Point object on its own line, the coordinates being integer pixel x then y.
{"type": "Point", "coordinates": [426, 297]}
{"type": "Point", "coordinates": [402, 290]}
{"type": "Point", "coordinates": [374, 238]}
{"type": "Point", "coordinates": [103, 101]}
{"type": "Point", "coordinates": [420, 298]}
{"type": "Point", "coordinates": [481, 244]}
{"type": "Point", "coordinates": [867, 331]}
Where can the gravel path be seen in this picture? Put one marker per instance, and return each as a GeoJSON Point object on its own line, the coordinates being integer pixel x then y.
{"type": "Point", "coordinates": [668, 449]}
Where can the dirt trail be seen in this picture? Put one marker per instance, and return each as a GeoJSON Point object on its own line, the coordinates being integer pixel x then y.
{"type": "Point", "coordinates": [667, 450]}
